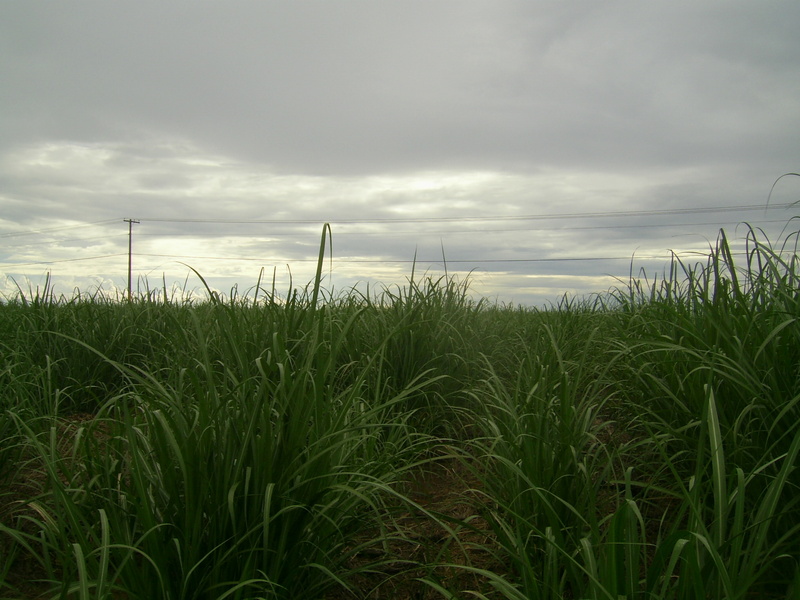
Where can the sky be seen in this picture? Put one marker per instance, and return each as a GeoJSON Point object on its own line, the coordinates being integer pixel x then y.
{"type": "Point", "coordinates": [534, 149]}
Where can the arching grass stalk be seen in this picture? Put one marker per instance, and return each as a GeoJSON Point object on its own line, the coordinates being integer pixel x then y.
{"type": "Point", "coordinates": [543, 466]}
{"type": "Point", "coordinates": [243, 472]}
{"type": "Point", "coordinates": [210, 478]}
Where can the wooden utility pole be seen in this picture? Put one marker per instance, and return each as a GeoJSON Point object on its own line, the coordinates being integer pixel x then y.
{"type": "Point", "coordinates": [130, 223]}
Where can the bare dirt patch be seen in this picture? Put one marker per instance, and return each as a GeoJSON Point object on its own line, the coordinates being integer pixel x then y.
{"type": "Point", "coordinates": [440, 534]}
{"type": "Point", "coordinates": [433, 537]}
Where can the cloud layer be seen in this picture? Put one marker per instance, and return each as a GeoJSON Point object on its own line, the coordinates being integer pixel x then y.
{"type": "Point", "coordinates": [411, 126]}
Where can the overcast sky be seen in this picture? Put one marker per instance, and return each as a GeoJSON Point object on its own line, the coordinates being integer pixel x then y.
{"type": "Point", "coordinates": [540, 146]}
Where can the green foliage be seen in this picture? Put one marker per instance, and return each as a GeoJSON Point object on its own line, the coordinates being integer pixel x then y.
{"type": "Point", "coordinates": [641, 444]}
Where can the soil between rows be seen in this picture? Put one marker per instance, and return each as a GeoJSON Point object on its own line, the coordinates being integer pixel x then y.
{"type": "Point", "coordinates": [441, 525]}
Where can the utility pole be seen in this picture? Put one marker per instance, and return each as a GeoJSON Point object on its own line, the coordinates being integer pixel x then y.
{"type": "Point", "coordinates": [130, 223]}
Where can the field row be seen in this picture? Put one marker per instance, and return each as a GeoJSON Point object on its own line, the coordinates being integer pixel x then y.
{"type": "Point", "coordinates": [415, 444]}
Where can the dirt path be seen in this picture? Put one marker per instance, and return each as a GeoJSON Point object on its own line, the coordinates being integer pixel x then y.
{"type": "Point", "coordinates": [445, 528]}
{"type": "Point", "coordinates": [441, 526]}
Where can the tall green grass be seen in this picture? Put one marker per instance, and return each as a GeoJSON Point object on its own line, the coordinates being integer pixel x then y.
{"type": "Point", "coordinates": [244, 465]}
{"type": "Point", "coordinates": [216, 483]}
{"type": "Point", "coordinates": [543, 464]}
{"type": "Point", "coordinates": [641, 444]}
{"type": "Point", "coordinates": [670, 470]}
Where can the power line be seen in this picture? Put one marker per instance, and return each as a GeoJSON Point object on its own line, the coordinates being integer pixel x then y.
{"type": "Point", "coordinates": [395, 233]}
{"type": "Point", "coordinates": [520, 229]}
{"type": "Point", "coordinates": [581, 215]}
{"type": "Point", "coordinates": [63, 260]}
{"type": "Point", "coordinates": [402, 261]}
{"type": "Point", "coordinates": [545, 217]}
{"type": "Point", "coordinates": [49, 229]}
{"type": "Point", "coordinates": [68, 240]}
{"type": "Point", "coordinates": [677, 211]}
{"type": "Point", "coordinates": [376, 260]}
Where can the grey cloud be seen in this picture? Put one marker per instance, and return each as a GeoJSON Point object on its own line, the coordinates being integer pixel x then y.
{"type": "Point", "coordinates": [356, 88]}
{"type": "Point", "coordinates": [330, 111]}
